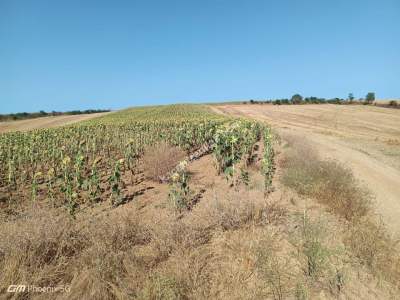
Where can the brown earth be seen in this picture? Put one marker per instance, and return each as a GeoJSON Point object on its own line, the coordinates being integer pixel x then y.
{"type": "Point", "coordinates": [213, 248]}
{"type": "Point", "coordinates": [364, 138]}
{"type": "Point", "coordinates": [45, 122]}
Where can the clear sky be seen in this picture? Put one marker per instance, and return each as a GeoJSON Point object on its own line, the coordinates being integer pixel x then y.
{"type": "Point", "coordinates": [80, 54]}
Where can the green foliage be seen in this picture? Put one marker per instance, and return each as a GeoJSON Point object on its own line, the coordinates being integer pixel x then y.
{"type": "Point", "coordinates": [350, 97]}
{"type": "Point", "coordinates": [180, 193]}
{"type": "Point", "coordinates": [310, 242]}
{"type": "Point", "coordinates": [50, 185]}
{"type": "Point", "coordinates": [66, 155]}
{"type": "Point", "coordinates": [120, 135]}
{"type": "Point", "coordinates": [78, 166]}
{"type": "Point", "coordinates": [370, 97]}
{"type": "Point", "coordinates": [232, 142]}
{"type": "Point", "coordinates": [116, 184]}
{"type": "Point", "coordinates": [67, 187]}
{"type": "Point", "coordinates": [268, 159]}
{"type": "Point", "coordinates": [35, 185]}
{"type": "Point", "coordinates": [296, 99]}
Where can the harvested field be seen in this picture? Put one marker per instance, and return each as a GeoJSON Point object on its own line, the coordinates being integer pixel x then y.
{"type": "Point", "coordinates": [45, 122]}
{"type": "Point", "coordinates": [364, 138]}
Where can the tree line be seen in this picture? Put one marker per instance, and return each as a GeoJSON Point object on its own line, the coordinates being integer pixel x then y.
{"type": "Point", "coordinates": [298, 99]}
{"type": "Point", "coordinates": [26, 115]}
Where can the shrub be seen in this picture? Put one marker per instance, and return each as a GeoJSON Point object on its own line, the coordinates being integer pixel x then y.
{"type": "Point", "coordinates": [313, 247]}
{"type": "Point", "coordinates": [160, 159]}
{"type": "Point", "coordinates": [310, 238]}
{"type": "Point", "coordinates": [393, 103]}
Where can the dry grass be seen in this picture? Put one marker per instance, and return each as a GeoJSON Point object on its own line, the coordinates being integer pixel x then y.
{"type": "Point", "coordinates": [234, 211]}
{"type": "Point", "coordinates": [376, 249]}
{"type": "Point", "coordinates": [43, 248]}
{"type": "Point", "coordinates": [335, 186]}
{"type": "Point", "coordinates": [328, 181]}
{"type": "Point", "coordinates": [233, 246]}
{"type": "Point", "coordinates": [162, 256]}
{"type": "Point", "coordinates": [160, 159]}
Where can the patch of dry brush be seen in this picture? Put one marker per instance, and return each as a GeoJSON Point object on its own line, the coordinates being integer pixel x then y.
{"type": "Point", "coordinates": [123, 256]}
{"type": "Point", "coordinates": [327, 181]}
{"type": "Point", "coordinates": [160, 159]}
{"type": "Point", "coordinates": [335, 186]}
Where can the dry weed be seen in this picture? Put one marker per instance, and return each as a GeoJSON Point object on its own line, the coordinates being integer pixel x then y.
{"type": "Point", "coordinates": [160, 159]}
{"type": "Point", "coordinates": [327, 181]}
{"type": "Point", "coordinates": [335, 186]}
{"type": "Point", "coordinates": [375, 248]}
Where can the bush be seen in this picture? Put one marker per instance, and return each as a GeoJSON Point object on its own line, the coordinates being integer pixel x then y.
{"type": "Point", "coordinates": [161, 159]}
{"type": "Point", "coordinates": [313, 247]}
{"type": "Point", "coordinates": [393, 103]}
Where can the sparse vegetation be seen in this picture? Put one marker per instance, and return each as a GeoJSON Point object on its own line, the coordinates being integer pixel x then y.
{"type": "Point", "coordinates": [312, 246]}
{"type": "Point", "coordinates": [335, 186]}
{"type": "Point", "coordinates": [327, 181]}
{"type": "Point", "coordinates": [375, 248]}
{"type": "Point", "coordinates": [160, 160]}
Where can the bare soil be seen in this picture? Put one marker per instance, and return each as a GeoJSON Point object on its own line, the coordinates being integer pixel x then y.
{"type": "Point", "coordinates": [45, 122]}
{"type": "Point", "coordinates": [364, 138]}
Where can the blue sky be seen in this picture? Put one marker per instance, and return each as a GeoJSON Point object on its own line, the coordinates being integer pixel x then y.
{"type": "Point", "coordinates": [64, 55]}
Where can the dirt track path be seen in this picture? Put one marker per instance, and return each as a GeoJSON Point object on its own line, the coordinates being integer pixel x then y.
{"type": "Point", "coordinates": [45, 122]}
{"type": "Point", "coordinates": [358, 136]}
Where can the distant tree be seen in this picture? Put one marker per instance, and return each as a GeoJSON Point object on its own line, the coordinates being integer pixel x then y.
{"type": "Point", "coordinates": [393, 103]}
{"type": "Point", "coordinates": [296, 99]}
{"type": "Point", "coordinates": [350, 97]}
{"type": "Point", "coordinates": [285, 101]}
{"type": "Point", "coordinates": [370, 97]}
{"type": "Point", "coordinates": [251, 101]}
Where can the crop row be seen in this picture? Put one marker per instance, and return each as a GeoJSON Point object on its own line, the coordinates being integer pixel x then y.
{"type": "Point", "coordinates": [81, 162]}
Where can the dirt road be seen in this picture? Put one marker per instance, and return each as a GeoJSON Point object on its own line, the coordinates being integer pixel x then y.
{"type": "Point", "coordinates": [366, 139]}
{"type": "Point", "coordinates": [45, 122]}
